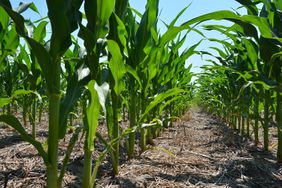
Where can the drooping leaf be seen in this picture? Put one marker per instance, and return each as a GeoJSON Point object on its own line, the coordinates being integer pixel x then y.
{"type": "Point", "coordinates": [133, 72]}
{"type": "Point", "coordinates": [24, 6]}
{"type": "Point", "coordinates": [14, 122]}
{"type": "Point", "coordinates": [160, 98]}
{"type": "Point", "coordinates": [250, 5]}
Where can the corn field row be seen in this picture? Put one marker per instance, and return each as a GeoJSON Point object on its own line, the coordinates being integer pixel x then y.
{"type": "Point", "coordinates": [243, 83]}
{"type": "Point", "coordinates": [106, 60]}
{"type": "Point", "coordinates": [98, 60]}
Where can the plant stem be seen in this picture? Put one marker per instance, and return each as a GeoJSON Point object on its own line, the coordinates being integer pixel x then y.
{"type": "Point", "coordinates": [71, 145]}
{"type": "Point", "coordinates": [279, 126]}
{"type": "Point", "coordinates": [132, 119]}
{"type": "Point", "coordinates": [87, 168]}
{"type": "Point", "coordinates": [144, 131]}
{"type": "Point", "coordinates": [239, 123]}
{"type": "Point", "coordinates": [256, 112]}
{"type": "Point", "coordinates": [115, 158]}
{"type": "Point", "coordinates": [52, 170]}
{"type": "Point", "coordinates": [33, 117]}
{"type": "Point", "coordinates": [53, 133]}
{"type": "Point", "coordinates": [24, 111]}
{"type": "Point", "coordinates": [248, 126]}
{"type": "Point", "coordinates": [243, 126]}
{"type": "Point", "coordinates": [266, 120]}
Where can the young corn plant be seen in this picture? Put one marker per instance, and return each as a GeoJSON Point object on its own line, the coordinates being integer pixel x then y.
{"type": "Point", "coordinates": [147, 52]}
{"type": "Point", "coordinates": [266, 21]}
{"type": "Point", "coordinates": [50, 64]}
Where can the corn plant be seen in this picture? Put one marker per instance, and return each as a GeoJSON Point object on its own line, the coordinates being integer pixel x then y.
{"type": "Point", "coordinates": [265, 75]}
{"type": "Point", "coordinates": [50, 63]}
{"type": "Point", "coordinates": [31, 72]}
{"type": "Point", "coordinates": [143, 70]}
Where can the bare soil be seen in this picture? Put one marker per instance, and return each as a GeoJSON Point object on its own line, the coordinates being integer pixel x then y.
{"type": "Point", "coordinates": [198, 151]}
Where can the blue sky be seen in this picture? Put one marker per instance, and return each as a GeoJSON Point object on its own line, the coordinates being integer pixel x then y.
{"type": "Point", "coordinates": [168, 10]}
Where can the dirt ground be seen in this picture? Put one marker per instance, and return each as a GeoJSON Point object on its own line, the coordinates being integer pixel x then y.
{"type": "Point", "coordinates": [201, 152]}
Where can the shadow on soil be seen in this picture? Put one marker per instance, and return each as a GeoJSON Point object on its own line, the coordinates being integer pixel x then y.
{"type": "Point", "coordinates": [252, 168]}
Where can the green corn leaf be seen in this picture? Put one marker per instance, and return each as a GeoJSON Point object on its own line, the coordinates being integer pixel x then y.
{"type": "Point", "coordinates": [92, 115]}
{"type": "Point", "coordinates": [60, 39]}
{"type": "Point", "coordinates": [5, 101]}
{"type": "Point", "coordinates": [224, 30]}
{"type": "Point", "coordinates": [187, 53]}
{"type": "Point", "coordinates": [136, 12]}
{"type": "Point", "coordinates": [224, 43]}
{"type": "Point", "coordinates": [168, 102]}
{"type": "Point", "coordinates": [88, 37]}
{"type": "Point", "coordinates": [98, 97]}
{"type": "Point", "coordinates": [250, 5]}
{"type": "Point", "coordinates": [154, 35]}
{"type": "Point", "coordinates": [24, 6]}
{"type": "Point", "coordinates": [98, 14]}
{"type": "Point", "coordinates": [117, 66]}
{"type": "Point", "coordinates": [159, 99]}
{"type": "Point", "coordinates": [149, 20]}
{"type": "Point", "coordinates": [73, 14]}
{"type": "Point", "coordinates": [4, 19]}
{"type": "Point", "coordinates": [34, 8]}
{"type": "Point", "coordinates": [220, 52]}
{"type": "Point", "coordinates": [279, 4]}
{"type": "Point", "coordinates": [25, 64]}
{"type": "Point", "coordinates": [103, 91]}
{"type": "Point", "coordinates": [122, 33]}
{"type": "Point", "coordinates": [276, 56]}
{"type": "Point", "coordinates": [121, 8]}
{"type": "Point", "coordinates": [40, 31]}
{"type": "Point", "coordinates": [16, 94]}
{"type": "Point", "coordinates": [253, 84]}
{"type": "Point", "coordinates": [90, 8]}
{"type": "Point", "coordinates": [14, 122]}
{"type": "Point", "coordinates": [268, 48]}
{"type": "Point", "coordinates": [10, 42]}
{"type": "Point", "coordinates": [179, 44]}
{"type": "Point", "coordinates": [172, 23]}
{"type": "Point", "coordinates": [133, 72]}
{"type": "Point", "coordinates": [153, 66]}
{"type": "Point", "coordinates": [40, 20]}
{"type": "Point", "coordinates": [25, 92]}
{"type": "Point", "coordinates": [260, 22]}
{"type": "Point", "coordinates": [104, 10]}
{"type": "Point", "coordinates": [170, 34]}
{"type": "Point", "coordinates": [252, 51]}
{"type": "Point", "coordinates": [69, 150]}
{"type": "Point", "coordinates": [11, 39]}
{"type": "Point", "coordinates": [152, 8]}
{"type": "Point", "coordinates": [73, 94]}
{"type": "Point", "coordinates": [40, 52]}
